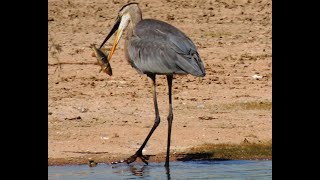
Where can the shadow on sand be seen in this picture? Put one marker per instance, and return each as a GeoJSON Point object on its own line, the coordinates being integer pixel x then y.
{"type": "Point", "coordinates": [200, 156]}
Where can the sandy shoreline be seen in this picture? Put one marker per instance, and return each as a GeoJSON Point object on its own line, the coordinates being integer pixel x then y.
{"type": "Point", "coordinates": [207, 152]}
{"type": "Point", "coordinates": [111, 115]}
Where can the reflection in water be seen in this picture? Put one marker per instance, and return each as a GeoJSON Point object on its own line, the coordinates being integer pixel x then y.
{"type": "Point", "coordinates": [140, 171]}
{"type": "Point", "coordinates": [136, 171]}
{"type": "Point", "coordinates": [168, 172]}
{"type": "Point", "coordinates": [178, 170]}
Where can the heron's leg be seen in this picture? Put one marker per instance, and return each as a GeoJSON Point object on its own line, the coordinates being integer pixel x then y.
{"type": "Point", "coordinates": [170, 118]}
{"type": "Point", "coordinates": [155, 125]}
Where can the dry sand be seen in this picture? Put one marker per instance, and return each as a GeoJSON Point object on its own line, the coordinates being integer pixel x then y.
{"type": "Point", "coordinates": [94, 115]}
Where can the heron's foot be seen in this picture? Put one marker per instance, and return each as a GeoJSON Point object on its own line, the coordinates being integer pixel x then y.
{"type": "Point", "coordinates": [135, 156]}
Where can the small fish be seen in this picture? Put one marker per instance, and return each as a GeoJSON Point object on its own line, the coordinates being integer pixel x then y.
{"type": "Point", "coordinates": [102, 60]}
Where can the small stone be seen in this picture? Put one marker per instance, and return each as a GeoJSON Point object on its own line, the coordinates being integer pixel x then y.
{"type": "Point", "coordinates": [200, 106]}
{"type": "Point", "coordinates": [92, 163]}
{"type": "Point", "coordinates": [257, 77]}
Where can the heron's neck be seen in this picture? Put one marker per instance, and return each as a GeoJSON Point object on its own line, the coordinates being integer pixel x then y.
{"type": "Point", "coordinates": [136, 17]}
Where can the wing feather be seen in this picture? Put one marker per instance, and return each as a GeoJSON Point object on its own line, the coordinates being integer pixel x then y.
{"type": "Point", "coordinates": [158, 47]}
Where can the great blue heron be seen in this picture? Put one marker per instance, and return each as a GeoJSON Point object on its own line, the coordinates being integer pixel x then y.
{"type": "Point", "coordinates": [155, 47]}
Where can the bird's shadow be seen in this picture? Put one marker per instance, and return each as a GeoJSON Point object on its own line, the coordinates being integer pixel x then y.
{"type": "Point", "coordinates": [199, 156]}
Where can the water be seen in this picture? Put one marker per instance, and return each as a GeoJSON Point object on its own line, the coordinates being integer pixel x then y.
{"type": "Point", "coordinates": [233, 169]}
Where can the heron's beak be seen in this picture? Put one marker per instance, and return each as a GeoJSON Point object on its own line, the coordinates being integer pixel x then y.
{"type": "Point", "coordinates": [115, 43]}
{"type": "Point", "coordinates": [120, 25]}
{"type": "Point", "coordinates": [113, 30]}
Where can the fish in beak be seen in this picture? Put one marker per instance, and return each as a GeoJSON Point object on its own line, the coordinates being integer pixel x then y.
{"type": "Point", "coordinates": [102, 59]}
{"type": "Point", "coordinates": [118, 28]}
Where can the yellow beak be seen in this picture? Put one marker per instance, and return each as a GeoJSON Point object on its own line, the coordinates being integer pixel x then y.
{"type": "Point", "coordinates": [115, 43]}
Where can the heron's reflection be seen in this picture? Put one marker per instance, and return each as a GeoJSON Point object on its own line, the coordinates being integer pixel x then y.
{"type": "Point", "coordinates": [137, 171]}
{"type": "Point", "coordinates": [140, 170]}
{"type": "Point", "coordinates": [168, 172]}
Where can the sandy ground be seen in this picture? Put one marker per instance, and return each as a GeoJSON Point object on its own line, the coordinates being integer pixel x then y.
{"type": "Point", "coordinates": [91, 113]}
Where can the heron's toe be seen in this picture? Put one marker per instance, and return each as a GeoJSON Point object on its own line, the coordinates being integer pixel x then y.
{"type": "Point", "coordinates": [144, 159]}
{"type": "Point", "coordinates": [131, 159]}
{"type": "Point", "coordinates": [135, 156]}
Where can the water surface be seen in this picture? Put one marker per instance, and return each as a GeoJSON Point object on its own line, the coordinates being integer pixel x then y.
{"type": "Point", "coordinates": [232, 169]}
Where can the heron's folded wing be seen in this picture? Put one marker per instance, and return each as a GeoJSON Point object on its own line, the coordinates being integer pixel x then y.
{"type": "Point", "coordinates": [158, 40]}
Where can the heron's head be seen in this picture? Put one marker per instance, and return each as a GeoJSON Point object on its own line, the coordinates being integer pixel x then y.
{"type": "Point", "coordinates": [128, 14]}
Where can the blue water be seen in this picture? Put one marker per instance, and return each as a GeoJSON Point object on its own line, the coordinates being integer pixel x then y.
{"type": "Point", "coordinates": [233, 169]}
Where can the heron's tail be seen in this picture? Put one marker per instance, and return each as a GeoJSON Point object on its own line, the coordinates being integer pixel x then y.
{"type": "Point", "coordinates": [192, 64]}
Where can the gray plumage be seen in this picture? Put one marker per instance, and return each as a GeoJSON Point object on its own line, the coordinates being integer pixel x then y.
{"type": "Point", "coordinates": [155, 47]}
{"type": "Point", "coordinates": [160, 48]}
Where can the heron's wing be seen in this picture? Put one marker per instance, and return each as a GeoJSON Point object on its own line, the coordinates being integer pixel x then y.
{"type": "Point", "coordinates": [149, 56]}
{"type": "Point", "coordinates": [180, 51]}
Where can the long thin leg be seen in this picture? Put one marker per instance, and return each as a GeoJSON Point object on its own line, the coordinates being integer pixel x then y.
{"type": "Point", "coordinates": [155, 125]}
{"type": "Point", "coordinates": [170, 118]}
